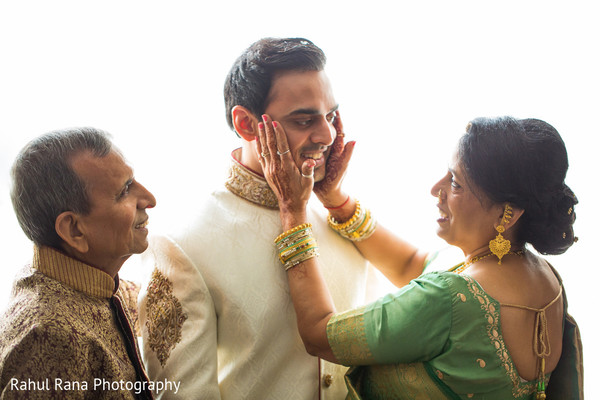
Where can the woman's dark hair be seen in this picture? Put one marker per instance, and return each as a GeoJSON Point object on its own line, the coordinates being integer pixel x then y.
{"type": "Point", "coordinates": [523, 162]}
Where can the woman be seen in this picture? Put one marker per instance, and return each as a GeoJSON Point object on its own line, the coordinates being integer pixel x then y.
{"type": "Point", "coordinates": [493, 327]}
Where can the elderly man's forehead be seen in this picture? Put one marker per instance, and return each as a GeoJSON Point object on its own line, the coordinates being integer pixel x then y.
{"type": "Point", "coordinates": [86, 164]}
{"type": "Point", "coordinates": [91, 154]}
{"type": "Point", "coordinates": [116, 150]}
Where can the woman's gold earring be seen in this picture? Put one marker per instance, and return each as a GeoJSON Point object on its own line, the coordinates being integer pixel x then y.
{"type": "Point", "coordinates": [501, 246]}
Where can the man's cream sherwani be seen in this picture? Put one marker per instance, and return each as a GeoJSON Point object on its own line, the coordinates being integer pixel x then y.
{"type": "Point", "coordinates": [217, 314]}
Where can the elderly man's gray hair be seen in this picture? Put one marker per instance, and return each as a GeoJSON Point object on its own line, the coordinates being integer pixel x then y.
{"type": "Point", "coordinates": [44, 184]}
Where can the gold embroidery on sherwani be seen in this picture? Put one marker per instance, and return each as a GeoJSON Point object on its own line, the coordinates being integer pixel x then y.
{"type": "Point", "coordinates": [165, 317]}
{"type": "Point", "coordinates": [250, 186]}
{"type": "Point", "coordinates": [59, 324]}
{"type": "Point", "coordinates": [347, 337]}
{"type": "Point", "coordinates": [492, 314]}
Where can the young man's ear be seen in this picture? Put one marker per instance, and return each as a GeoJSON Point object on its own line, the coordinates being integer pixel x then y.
{"type": "Point", "coordinates": [68, 227]}
{"type": "Point", "coordinates": [244, 123]}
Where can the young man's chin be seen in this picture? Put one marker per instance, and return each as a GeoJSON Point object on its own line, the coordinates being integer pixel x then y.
{"type": "Point", "coordinates": [319, 174]}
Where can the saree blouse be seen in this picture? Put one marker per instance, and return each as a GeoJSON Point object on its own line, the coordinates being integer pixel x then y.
{"type": "Point", "coordinates": [439, 337]}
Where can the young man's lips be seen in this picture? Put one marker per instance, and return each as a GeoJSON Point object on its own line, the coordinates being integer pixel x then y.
{"type": "Point", "coordinates": [318, 157]}
{"type": "Point", "coordinates": [319, 162]}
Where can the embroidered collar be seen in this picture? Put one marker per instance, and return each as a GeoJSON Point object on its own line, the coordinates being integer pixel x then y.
{"type": "Point", "coordinates": [74, 273]}
{"type": "Point", "coordinates": [248, 184]}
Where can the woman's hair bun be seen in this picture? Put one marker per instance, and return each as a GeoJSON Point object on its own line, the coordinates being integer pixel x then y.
{"type": "Point", "coordinates": [549, 229]}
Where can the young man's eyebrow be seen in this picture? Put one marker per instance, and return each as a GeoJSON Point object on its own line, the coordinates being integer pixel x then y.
{"type": "Point", "coordinates": [312, 111]}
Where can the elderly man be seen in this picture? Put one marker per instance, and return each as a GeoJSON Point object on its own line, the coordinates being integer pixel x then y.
{"type": "Point", "coordinates": [67, 333]}
{"type": "Point", "coordinates": [217, 314]}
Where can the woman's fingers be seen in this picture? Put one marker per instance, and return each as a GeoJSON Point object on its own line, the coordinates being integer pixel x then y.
{"type": "Point", "coordinates": [283, 148]}
{"type": "Point", "coordinates": [337, 124]}
{"type": "Point", "coordinates": [347, 155]}
{"type": "Point", "coordinates": [261, 144]}
{"type": "Point", "coordinates": [308, 172]}
{"type": "Point", "coordinates": [271, 141]}
{"type": "Point", "coordinates": [292, 185]}
{"type": "Point", "coordinates": [337, 147]}
{"type": "Point", "coordinates": [337, 163]}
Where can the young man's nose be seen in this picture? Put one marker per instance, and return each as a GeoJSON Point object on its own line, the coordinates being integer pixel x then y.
{"type": "Point", "coordinates": [324, 133]}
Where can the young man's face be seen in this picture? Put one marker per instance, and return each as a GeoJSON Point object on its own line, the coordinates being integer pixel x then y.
{"type": "Point", "coordinates": [303, 103]}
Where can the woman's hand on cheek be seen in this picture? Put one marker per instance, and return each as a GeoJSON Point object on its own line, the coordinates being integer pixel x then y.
{"type": "Point", "coordinates": [329, 190]}
{"type": "Point", "coordinates": [291, 185]}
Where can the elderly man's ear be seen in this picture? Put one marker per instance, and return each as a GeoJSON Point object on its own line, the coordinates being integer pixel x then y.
{"type": "Point", "coordinates": [70, 229]}
{"type": "Point", "coordinates": [245, 123]}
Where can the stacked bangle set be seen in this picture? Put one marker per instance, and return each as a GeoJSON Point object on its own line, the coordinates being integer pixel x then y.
{"type": "Point", "coordinates": [298, 244]}
{"type": "Point", "coordinates": [359, 227]}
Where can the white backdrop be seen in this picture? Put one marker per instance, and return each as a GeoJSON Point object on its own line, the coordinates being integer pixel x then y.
{"type": "Point", "coordinates": [408, 77]}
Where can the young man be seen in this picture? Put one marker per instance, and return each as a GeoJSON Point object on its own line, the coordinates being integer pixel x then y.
{"type": "Point", "coordinates": [66, 333]}
{"type": "Point", "coordinates": [217, 314]}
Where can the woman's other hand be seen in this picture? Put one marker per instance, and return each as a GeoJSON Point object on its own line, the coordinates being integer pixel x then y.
{"type": "Point", "coordinates": [329, 190]}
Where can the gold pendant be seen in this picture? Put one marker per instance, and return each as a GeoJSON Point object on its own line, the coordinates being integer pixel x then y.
{"type": "Point", "coordinates": [500, 247]}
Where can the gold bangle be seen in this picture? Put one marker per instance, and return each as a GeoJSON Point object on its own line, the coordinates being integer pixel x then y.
{"type": "Point", "coordinates": [307, 255]}
{"type": "Point", "coordinates": [296, 248]}
{"type": "Point", "coordinates": [293, 230]}
{"type": "Point", "coordinates": [359, 227]}
{"type": "Point", "coordinates": [296, 237]}
{"type": "Point", "coordinates": [296, 245]}
{"type": "Point", "coordinates": [338, 226]}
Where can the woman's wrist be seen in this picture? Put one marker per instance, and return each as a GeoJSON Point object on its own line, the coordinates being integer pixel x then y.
{"type": "Point", "coordinates": [291, 219]}
{"type": "Point", "coordinates": [332, 199]}
{"type": "Point", "coordinates": [330, 208]}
